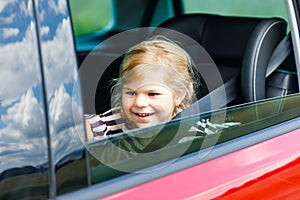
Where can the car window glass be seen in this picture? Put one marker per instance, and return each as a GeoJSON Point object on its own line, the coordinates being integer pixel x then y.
{"type": "Point", "coordinates": [63, 95]}
{"type": "Point", "coordinates": [23, 130]}
{"type": "Point", "coordinates": [255, 8]}
{"type": "Point", "coordinates": [90, 16]}
{"type": "Point", "coordinates": [141, 150]}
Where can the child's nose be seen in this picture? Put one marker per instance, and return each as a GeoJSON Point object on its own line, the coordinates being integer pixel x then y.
{"type": "Point", "coordinates": [141, 100]}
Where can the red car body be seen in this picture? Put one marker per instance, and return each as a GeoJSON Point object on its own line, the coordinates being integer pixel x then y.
{"type": "Point", "coordinates": [268, 170]}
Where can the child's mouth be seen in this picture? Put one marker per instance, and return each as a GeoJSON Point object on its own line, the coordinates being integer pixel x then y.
{"type": "Point", "coordinates": [142, 114]}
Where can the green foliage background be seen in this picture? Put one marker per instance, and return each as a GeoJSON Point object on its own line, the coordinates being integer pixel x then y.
{"type": "Point", "coordinates": [89, 15]}
{"type": "Point", "coordinates": [92, 15]}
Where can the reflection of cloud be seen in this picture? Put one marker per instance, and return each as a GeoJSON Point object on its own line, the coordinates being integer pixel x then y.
{"type": "Point", "coordinates": [28, 152]}
{"type": "Point", "coordinates": [5, 3]}
{"type": "Point", "coordinates": [24, 119]}
{"type": "Point", "coordinates": [66, 123]}
{"type": "Point", "coordinates": [45, 30]}
{"type": "Point", "coordinates": [2, 5]}
{"type": "Point", "coordinates": [10, 32]}
{"type": "Point", "coordinates": [67, 142]}
{"type": "Point", "coordinates": [63, 110]}
{"type": "Point", "coordinates": [64, 115]}
{"type": "Point", "coordinates": [26, 8]}
{"type": "Point", "coordinates": [7, 20]}
{"type": "Point", "coordinates": [59, 7]}
{"type": "Point", "coordinates": [23, 141]}
{"type": "Point", "coordinates": [21, 61]}
{"type": "Point", "coordinates": [60, 109]}
{"type": "Point", "coordinates": [59, 62]}
{"type": "Point", "coordinates": [25, 123]}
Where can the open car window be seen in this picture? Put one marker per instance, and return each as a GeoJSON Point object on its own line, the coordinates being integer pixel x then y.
{"type": "Point", "coordinates": [141, 149]}
{"type": "Point", "coordinates": [149, 149]}
{"type": "Point", "coordinates": [152, 148]}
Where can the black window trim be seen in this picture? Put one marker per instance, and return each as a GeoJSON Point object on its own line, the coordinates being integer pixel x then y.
{"type": "Point", "coordinates": [52, 176]}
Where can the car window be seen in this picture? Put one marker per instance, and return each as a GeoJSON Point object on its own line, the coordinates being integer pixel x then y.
{"type": "Point", "coordinates": [139, 150]}
{"type": "Point", "coordinates": [90, 16]}
{"type": "Point", "coordinates": [255, 8]}
{"type": "Point", "coordinates": [128, 151]}
{"type": "Point", "coordinates": [265, 9]}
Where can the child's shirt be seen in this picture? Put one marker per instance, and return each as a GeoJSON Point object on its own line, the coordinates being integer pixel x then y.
{"type": "Point", "coordinates": [107, 123]}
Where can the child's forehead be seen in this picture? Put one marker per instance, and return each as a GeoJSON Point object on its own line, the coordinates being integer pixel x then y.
{"type": "Point", "coordinates": [143, 71]}
{"type": "Point", "coordinates": [148, 74]}
{"type": "Point", "coordinates": [147, 82]}
{"type": "Point", "coordinates": [157, 80]}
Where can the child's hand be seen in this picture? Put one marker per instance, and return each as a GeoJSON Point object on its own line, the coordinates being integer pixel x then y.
{"type": "Point", "coordinates": [88, 131]}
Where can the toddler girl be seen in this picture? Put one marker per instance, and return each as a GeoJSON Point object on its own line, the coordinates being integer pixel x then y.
{"type": "Point", "coordinates": [157, 81]}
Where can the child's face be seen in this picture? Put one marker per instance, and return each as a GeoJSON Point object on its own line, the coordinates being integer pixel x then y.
{"type": "Point", "coordinates": [148, 100]}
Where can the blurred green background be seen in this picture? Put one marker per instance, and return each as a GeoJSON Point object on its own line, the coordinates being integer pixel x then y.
{"type": "Point", "coordinates": [89, 15]}
{"type": "Point", "coordinates": [92, 15]}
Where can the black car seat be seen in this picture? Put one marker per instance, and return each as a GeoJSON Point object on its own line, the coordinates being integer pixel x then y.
{"type": "Point", "coordinates": [239, 46]}
{"type": "Point", "coordinates": [283, 80]}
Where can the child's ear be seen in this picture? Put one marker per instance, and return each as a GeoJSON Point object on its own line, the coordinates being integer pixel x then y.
{"type": "Point", "coordinates": [179, 96]}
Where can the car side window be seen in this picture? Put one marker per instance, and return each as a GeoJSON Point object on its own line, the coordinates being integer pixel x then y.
{"type": "Point", "coordinates": [144, 149]}
{"type": "Point", "coordinates": [90, 16]}
{"type": "Point", "coordinates": [256, 8]}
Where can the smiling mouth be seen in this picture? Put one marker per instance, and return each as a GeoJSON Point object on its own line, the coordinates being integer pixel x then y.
{"type": "Point", "coordinates": [143, 114]}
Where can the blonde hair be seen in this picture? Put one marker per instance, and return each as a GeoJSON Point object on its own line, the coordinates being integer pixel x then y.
{"type": "Point", "coordinates": [164, 53]}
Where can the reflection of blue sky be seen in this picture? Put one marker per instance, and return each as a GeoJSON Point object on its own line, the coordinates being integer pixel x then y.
{"type": "Point", "coordinates": [53, 11]}
{"type": "Point", "coordinates": [60, 76]}
{"type": "Point", "coordinates": [15, 18]}
{"type": "Point", "coordinates": [21, 98]}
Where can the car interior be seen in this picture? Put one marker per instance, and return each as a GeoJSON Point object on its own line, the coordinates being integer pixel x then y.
{"type": "Point", "coordinates": [238, 60]}
{"type": "Point", "coordinates": [240, 47]}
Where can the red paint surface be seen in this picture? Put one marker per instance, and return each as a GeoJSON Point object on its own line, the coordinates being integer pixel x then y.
{"type": "Point", "coordinates": [268, 170]}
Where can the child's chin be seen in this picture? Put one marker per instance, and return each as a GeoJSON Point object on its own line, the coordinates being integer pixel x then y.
{"type": "Point", "coordinates": [142, 125]}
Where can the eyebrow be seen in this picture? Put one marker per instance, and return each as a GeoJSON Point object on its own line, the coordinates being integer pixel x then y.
{"type": "Point", "coordinates": [127, 88]}
{"type": "Point", "coordinates": [147, 91]}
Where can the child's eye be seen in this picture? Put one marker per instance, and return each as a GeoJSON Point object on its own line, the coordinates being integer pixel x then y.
{"type": "Point", "coordinates": [130, 93]}
{"type": "Point", "coordinates": [153, 94]}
